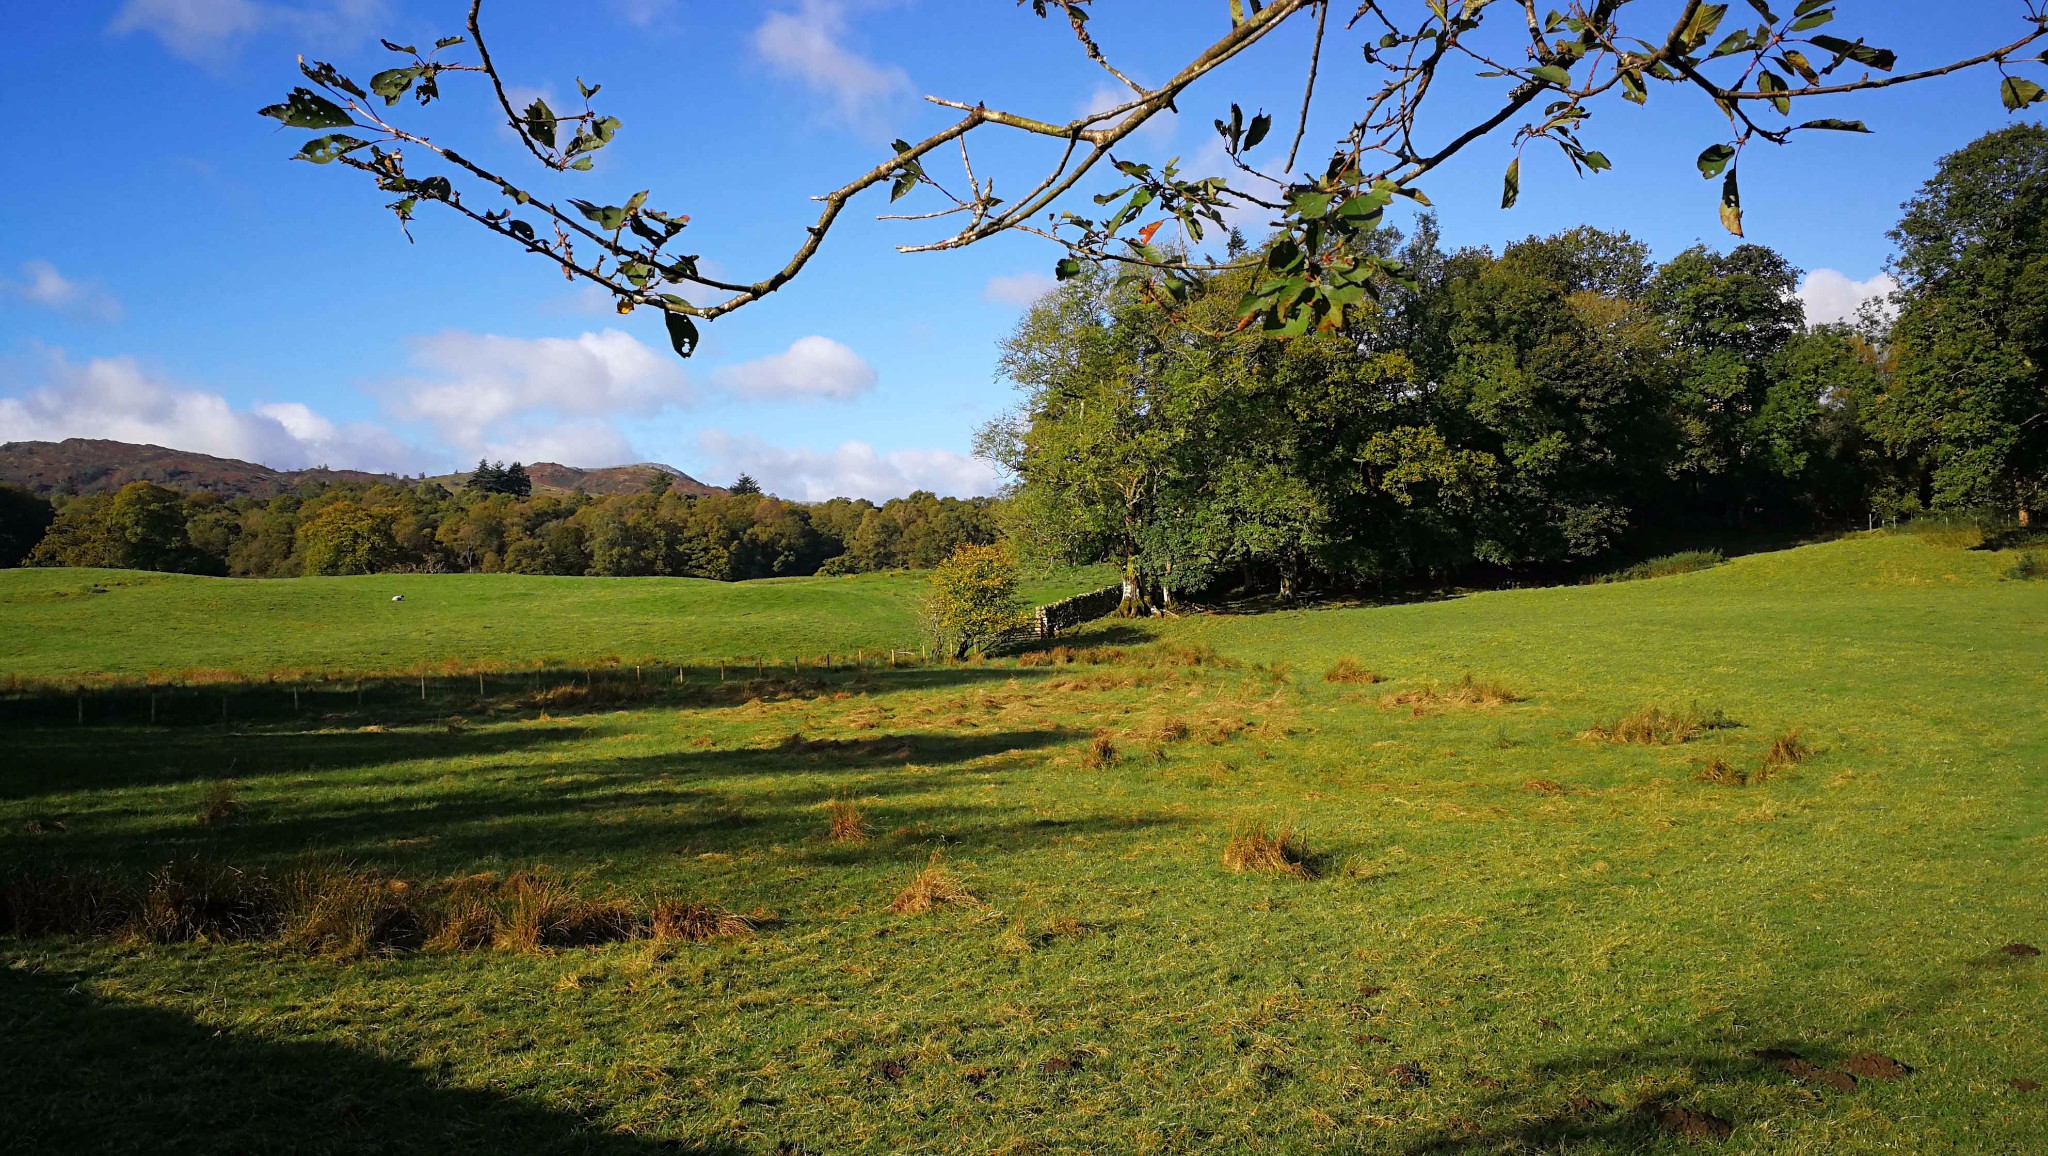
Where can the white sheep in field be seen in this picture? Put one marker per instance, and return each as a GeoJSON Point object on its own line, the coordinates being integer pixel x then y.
{"type": "Point", "coordinates": [398, 597]}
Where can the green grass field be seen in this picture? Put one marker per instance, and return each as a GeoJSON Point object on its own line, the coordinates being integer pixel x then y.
{"type": "Point", "coordinates": [61, 624]}
{"type": "Point", "coordinates": [1519, 937]}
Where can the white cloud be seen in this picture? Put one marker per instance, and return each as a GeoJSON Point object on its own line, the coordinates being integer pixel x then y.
{"type": "Point", "coordinates": [478, 390]}
{"type": "Point", "coordinates": [806, 45]}
{"type": "Point", "coordinates": [208, 31]}
{"type": "Point", "coordinates": [1019, 289]}
{"type": "Point", "coordinates": [1156, 131]}
{"type": "Point", "coordinates": [43, 285]}
{"type": "Point", "coordinates": [1831, 296]}
{"type": "Point", "coordinates": [116, 398]}
{"type": "Point", "coordinates": [811, 369]}
{"type": "Point", "coordinates": [641, 13]}
{"type": "Point", "coordinates": [854, 469]}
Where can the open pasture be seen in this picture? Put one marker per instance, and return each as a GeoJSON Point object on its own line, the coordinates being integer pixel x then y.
{"type": "Point", "coordinates": [1742, 860]}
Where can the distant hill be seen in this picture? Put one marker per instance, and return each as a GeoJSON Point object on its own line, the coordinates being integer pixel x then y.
{"type": "Point", "coordinates": [89, 466]}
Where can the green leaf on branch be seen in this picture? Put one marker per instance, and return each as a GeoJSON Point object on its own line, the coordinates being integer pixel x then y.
{"type": "Point", "coordinates": [305, 108]}
{"type": "Point", "coordinates": [682, 333]}
{"type": "Point", "coordinates": [1834, 125]}
{"type": "Point", "coordinates": [324, 149]}
{"type": "Point", "coordinates": [1512, 189]}
{"type": "Point", "coordinates": [1552, 74]}
{"type": "Point", "coordinates": [1260, 126]}
{"type": "Point", "coordinates": [540, 122]}
{"type": "Point", "coordinates": [392, 83]}
{"type": "Point", "coordinates": [1067, 269]}
{"type": "Point", "coordinates": [1731, 204]}
{"type": "Point", "coordinates": [608, 217]}
{"type": "Point", "coordinates": [1715, 160]}
{"type": "Point", "coordinates": [1881, 59]}
{"type": "Point", "coordinates": [2018, 92]}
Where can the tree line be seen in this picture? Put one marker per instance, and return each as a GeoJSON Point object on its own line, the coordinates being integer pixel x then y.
{"type": "Point", "coordinates": [1535, 408]}
{"type": "Point", "coordinates": [487, 528]}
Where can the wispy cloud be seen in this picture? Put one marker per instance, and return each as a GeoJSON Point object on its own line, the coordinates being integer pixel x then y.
{"type": "Point", "coordinates": [479, 391]}
{"type": "Point", "coordinates": [209, 31]}
{"type": "Point", "coordinates": [43, 284]}
{"type": "Point", "coordinates": [117, 398]}
{"type": "Point", "coordinates": [808, 45]}
{"type": "Point", "coordinates": [852, 469]}
{"type": "Point", "coordinates": [1020, 290]}
{"type": "Point", "coordinates": [811, 369]}
{"type": "Point", "coordinates": [1831, 296]}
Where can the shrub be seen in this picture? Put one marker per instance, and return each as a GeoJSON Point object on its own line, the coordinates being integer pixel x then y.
{"type": "Point", "coordinates": [1280, 851]}
{"type": "Point", "coordinates": [1682, 563]}
{"type": "Point", "coordinates": [2028, 567]}
{"type": "Point", "coordinates": [971, 601]}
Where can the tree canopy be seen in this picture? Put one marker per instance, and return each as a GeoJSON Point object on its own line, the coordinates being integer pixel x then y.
{"type": "Point", "coordinates": [1443, 77]}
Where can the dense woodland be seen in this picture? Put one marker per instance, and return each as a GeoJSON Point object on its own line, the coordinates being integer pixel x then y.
{"type": "Point", "coordinates": [1561, 402]}
{"type": "Point", "coordinates": [1536, 408]}
{"type": "Point", "coordinates": [490, 527]}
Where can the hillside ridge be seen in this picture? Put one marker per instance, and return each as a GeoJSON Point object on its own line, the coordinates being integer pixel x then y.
{"type": "Point", "coordinates": [95, 465]}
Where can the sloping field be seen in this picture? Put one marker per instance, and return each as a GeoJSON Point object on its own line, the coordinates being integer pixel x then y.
{"type": "Point", "coordinates": [63, 623]}
{"type": "Point", "coordinates": [1751, 860]}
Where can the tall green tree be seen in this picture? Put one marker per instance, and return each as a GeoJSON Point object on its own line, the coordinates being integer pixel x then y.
{"type": "Point", "coordinates": [1967, 405]}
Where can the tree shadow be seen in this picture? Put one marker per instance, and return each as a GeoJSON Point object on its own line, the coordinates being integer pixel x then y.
{"type": "Point", "coordinates": [1549, 1117]}
{"type": "Point", "coordinates": [86, 1074]}
{"type": "Point", "coordinates": [582, 808]}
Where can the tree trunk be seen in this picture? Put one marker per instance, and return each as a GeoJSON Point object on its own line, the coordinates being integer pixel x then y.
{"type": "Point", "coordinates": [1133, 603]}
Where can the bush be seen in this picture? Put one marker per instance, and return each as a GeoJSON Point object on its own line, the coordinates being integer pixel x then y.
{"type": "Point", "coordinates": [2028, 567]}
{"type": "Point", "coordinates": [1666, 566]}
{"type": "Point", "coordinates": [972, 602]}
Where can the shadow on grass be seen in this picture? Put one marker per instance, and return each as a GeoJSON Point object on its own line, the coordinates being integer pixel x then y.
{"type": "Point", "coordinates": [564, 810]}
{"type": "Point", "coordinates": [410, 697]}
{"type": "Point", "coordinates": [85, 1074]}
{"type": "Point", "coordinates": [1549, 1117]}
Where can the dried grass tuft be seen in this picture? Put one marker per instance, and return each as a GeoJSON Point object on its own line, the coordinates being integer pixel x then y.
{"type": "Point", "coordinates": [1655, 726]}
{"type": "Point", "coordinates": [1786, 751]}
{"type": "Point", "coordinates": [1350, 671]}
{"type": "Point", "coordinates": [848, 825]}
{"type": "Point", "coordinates": [1467, 692]}
{"type": "Point", "coordinates": [218, 805]}
{"type": "Point", "coordinates": [1720, 774]}
{"type": "Point", "coordinates": [1102, 754]}
{"type": "Point", "coordinates": [931, 888]}
{"type": "Point", "coordinates": [696, 922]}
{"type": "Point", "coordinates": [1282, 850]}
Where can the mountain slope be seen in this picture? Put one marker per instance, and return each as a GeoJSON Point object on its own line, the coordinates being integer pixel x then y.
{"type": "Point", "coordinates": [90, 466]}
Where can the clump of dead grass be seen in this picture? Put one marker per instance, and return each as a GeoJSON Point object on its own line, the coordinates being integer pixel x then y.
{"type": "Point", "coordinates": [1786, 751]}
{"type": "Point", "coordinates": [675, 919]}
{"type": "Point", "coordinates": [1351, 671]}
{"type": "Point", "coordinates": [1466, 692]}
{"type": "Point", "coordinates": [848, 825]}
{"type": "Point", "coordinates": [218, 805]}
{"type": "Point", "coordinates": [1655, 726]}
{"type": "Point", "coordinates": [1102, 753]}
{"type": "Point", "coordinates": [1278, 850]}
{"type": "Point", "coordinates": [1720, 774]}
{"type": "Point", "coordinates": [1543, 787]}
{"type": "Point", "coordinates": [931, 888]}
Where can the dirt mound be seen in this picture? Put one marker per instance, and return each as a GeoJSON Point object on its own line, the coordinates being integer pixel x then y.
{"type": "Point", "coordinates": [1815, 1074]}
{"type": "Point", "coordinates": [1694, 1123]}
{"type": "Point", "coordinates": [2020, 950]}
{"type": "Point", "coordinates": [1876, 1066]}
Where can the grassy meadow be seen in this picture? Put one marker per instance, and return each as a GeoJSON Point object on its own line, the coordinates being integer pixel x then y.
{"type": "Point", "coordinates": [1675, 865]}
{"type": "Point", "coordinates": [64, 624]}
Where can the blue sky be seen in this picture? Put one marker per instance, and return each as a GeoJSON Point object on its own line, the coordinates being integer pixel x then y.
{"type": "Point", "coordinates": [168, 275]}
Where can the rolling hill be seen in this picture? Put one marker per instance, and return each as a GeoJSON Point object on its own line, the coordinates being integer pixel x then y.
{"type": "Point", "coordinates": [88, 466]}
